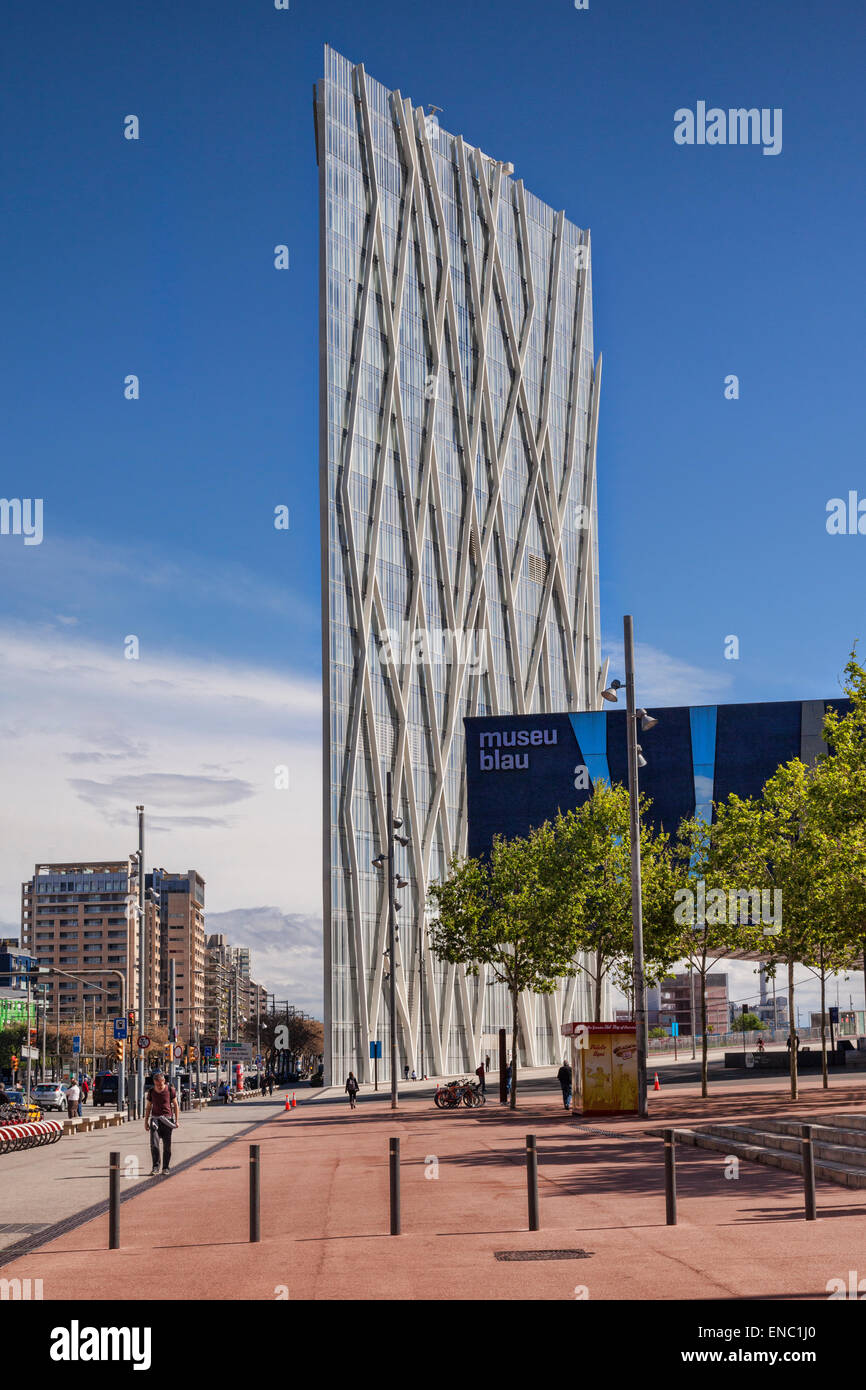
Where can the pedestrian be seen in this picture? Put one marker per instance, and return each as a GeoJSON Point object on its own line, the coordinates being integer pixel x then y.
{"type": "Point", "coordinates": [563, 1076]}
{"type": "Point", "coordinates": [271, 1084]}
{"type": "Point", "coordinates": [414, 1076]}
{"type": "Point", "coordinates": [796, 1042]}
{"type": "Point", "coordinates": [479, 1072]}
{"type": "Point", "coordinates": [85, 1091]}
{"type": "Point", "coordinates": [73, 1096]}
{"type": "Point", "coordinates": [486, 1065]}
{"type": "Point", "coordinates": [405, 1073]}
{"type": "Point", "coordinates": [161, 1119]}
{"type": "Point", "coordinates": [352, 1089]}
{"type": "Point", "coordinates": [224, 1092]}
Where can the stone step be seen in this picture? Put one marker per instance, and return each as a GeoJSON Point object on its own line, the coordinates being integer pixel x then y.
{"type": "Point", "coordinates": [822, 1132]}
{"type": "Point", "coordinates": [833, 1168]}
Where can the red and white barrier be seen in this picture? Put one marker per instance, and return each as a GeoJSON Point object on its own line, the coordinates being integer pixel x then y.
{"type": "Point", "coordinates": [30, 1134]}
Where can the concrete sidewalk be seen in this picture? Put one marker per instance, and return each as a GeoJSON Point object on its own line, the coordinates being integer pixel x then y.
{"type": "Point", "coordinates": [44, 1186]}
{"type": "Point", "coordinates": [325, 1211]}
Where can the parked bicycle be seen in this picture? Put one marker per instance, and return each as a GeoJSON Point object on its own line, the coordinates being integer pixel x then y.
{"type": "Point", "coordinates": [463, 1092]}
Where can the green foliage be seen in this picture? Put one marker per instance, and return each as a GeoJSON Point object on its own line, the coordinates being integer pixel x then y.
{"type": "Point", "coordinates": [747, 1023]}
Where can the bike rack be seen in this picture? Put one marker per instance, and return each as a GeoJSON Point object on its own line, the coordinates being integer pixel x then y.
{"type": "Point", "coordinates": [30, 1135]}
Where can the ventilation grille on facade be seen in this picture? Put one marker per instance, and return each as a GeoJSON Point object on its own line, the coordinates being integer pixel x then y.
{"type": "Point", "coordinates": [537, 566]}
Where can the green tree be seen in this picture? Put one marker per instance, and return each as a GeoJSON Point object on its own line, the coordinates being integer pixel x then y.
{"type": "Point", "coordinates": [771, 844]}
{"type": "Point", "coordinates": [747, 1023]}
{"type": "Point", "coordinates": [708, 929]}
{"type": "Point", "coordinates": [589, 877]}
{"type": "Point", "coordinates": [501, 913]}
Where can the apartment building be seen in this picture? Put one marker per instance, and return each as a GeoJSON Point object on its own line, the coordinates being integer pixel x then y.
{"type": "Point", "coordinates": [180, 898]}
{"type": "Point", "coordinates": [82, 917]}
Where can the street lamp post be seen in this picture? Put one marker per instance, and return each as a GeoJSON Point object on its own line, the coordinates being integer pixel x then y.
{"type": "Point", "coordinates": [635, 762]}
{"type": "Point", "coordinates": [141, 957]}
{"type": "Point", "coordinates": [392, 953]}
{"type": "Point", "coordinates": [386, 861]}
{"type": "Point", "coordinates": [636, 905]}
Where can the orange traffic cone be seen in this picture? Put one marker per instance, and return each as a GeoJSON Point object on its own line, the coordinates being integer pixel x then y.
{"type": "Point", "coordinates": [288, 1104]}
{"type": "Point", "coordinates": [657, 1087]}
{"type": "Point", "coordinates": [294, 1102]}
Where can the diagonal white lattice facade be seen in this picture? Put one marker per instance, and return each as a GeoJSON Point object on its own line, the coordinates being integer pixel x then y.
{"type": "Point", "coordinates": [459, 405]}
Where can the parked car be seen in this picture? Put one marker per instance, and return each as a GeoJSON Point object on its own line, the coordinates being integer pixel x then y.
{"type": "Point", "coordinates": [104, 1090]}
{"type": "Point", "coordinates": [50, 1095]}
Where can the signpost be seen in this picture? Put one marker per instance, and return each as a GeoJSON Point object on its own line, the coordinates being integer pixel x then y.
{"type": "Point", "coordinates": [121, 1029]}
{"type": "Point", "coordinates": [143, 1042]}
{"type": "Point", "coordinates": [675, 1032]}
{"type": "Point", "coordinates": [375, 1054]}
{"type": "Point", "coordinates": [76, 1044]}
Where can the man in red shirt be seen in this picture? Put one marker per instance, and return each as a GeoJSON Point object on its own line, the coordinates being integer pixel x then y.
{"type": "Point", "coordinates": [161, 1119]}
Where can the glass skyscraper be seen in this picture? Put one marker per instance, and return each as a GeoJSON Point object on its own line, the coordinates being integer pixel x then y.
{"type": "Point", "coordinates": [458, 414]}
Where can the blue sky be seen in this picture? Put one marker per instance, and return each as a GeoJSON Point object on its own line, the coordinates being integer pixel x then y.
{"type": "Point", "coordinates": [156, 257]}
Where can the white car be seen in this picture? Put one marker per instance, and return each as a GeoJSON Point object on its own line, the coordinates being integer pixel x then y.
{"type": "Point", "coordinates": [50, 1095]}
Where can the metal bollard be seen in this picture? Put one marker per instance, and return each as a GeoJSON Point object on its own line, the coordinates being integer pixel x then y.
{"type": "Point", "coordinates": [532, 1182]}
{"type": "Point", "coordinates": [114, 1201]}
{"type": "Point", "coordinates": [255, 1194]}
{"type": "Point", "coordinates": [394, 1165]}
{"type": "Point", "coordinates": [809, 1173]}
{"type": "Point", "coordinates": [670, 1177]}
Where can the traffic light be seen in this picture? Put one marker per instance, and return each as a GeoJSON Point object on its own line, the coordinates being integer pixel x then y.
{"type": "Point", "coordinates": [130, 1018]}
{"type": "Point", "coordinates": [118, 1050]}
{"type": "Point", "coordinates": [14, 1062]}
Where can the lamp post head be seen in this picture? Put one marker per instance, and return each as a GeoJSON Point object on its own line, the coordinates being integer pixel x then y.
{"type": "Point", "coordinates": [610, 692]}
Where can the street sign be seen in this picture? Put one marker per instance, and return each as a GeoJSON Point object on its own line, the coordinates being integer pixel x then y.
{"type": "Point", "coordinates": [675, 1029]}
{"type": "Point", "coordinates": [208, 1051]}
{"type": "Point", "coordinates": [144, 1042]}
{"type": "Point", "coordinates": [76, 1043]}
{"type": "Point", "coordinates": [121, 1029]}
{"type": "Point", "coordinates": [258, 1061]}
{"type": "Point", "coordinates": [177, 1051]}
{"type": "Point", "coordinates": [834, 1013]}
{"type": "Point", "coordinates": [375, 1051]}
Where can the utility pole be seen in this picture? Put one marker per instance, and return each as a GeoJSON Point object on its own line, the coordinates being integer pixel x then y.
{"type": "Point", "coordinates": [392, 951]}
{"type": "Point", "coordinates": [44, 1024]}
{"type": "Point", "coordinates": [636, 905]}
{"type": "Point", "coordinates": [27, 1095]}
{"type": "Point", "coordinates": [141, 956]}
{"type": "Point", "coordinates": [172, 1017]}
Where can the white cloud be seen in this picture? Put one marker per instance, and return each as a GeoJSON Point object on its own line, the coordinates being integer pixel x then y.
{"type": "Point", "coordinates": [285, 951]}
{"type": "Point", "coordinates": [661, 679]}
{"type": "Point", "coordinates": [87, 735]}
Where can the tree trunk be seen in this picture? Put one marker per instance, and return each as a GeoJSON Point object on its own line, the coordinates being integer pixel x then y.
{"type": "Point", "coordinates": [792, 1030]}
{"type": "Point", "coordinates": [599, 961]}
{"type": "Point", "coordinates": [515, 1004]}
{"type": "Point", "coordinates": [704, 1057]}
{"type": "Point", "coordinates": [824, 1078]}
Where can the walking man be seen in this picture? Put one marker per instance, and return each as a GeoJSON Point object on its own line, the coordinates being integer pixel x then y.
{"type": "Point", "coordinates": [563, 1076]}
{"type": "Point", "coordinates": [479, 1072]}
{"type": "Point", "coordinates": [161, 1119]}
{"type": "Point", "coordinates": [73, 1095]}
{"type": "Point", "coordinates": [352, 1089]}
